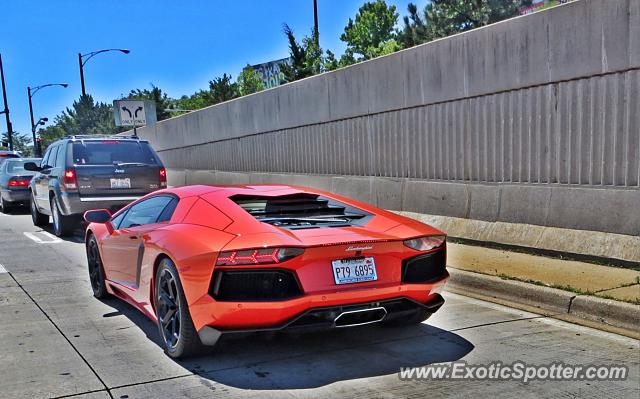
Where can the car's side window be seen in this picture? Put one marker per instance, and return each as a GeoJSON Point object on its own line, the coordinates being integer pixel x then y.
{"type": "Point", "coordinates": [45, 159]}
{"type": "Point", "coordinates": [146, 212]}
{"type": "Point", "coordinates": [62, 156]}
{"type": "Point", "coordinates": [166, 214]}
{"type": "Point", "coordinates": [115, 222]}
{"type": "Point", "coordinates": [52, 156]}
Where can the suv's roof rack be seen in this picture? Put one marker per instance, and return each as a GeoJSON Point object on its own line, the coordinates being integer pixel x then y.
{"type": "Point", "coordinates": [99, 136]}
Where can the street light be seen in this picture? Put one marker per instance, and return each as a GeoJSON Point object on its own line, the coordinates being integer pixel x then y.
{"type": "Point", "coordinates": [31, 92]}
{"type": "Point", "coordinates": [83, 58]}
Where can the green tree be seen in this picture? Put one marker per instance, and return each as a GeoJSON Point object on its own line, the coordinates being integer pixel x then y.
{"type": "Point", "coordinates": [222, 89]}
{"type": "Point", "coordinates": [156, 95]}
{"type": "Point", "coordinates": [442, 18]}
{"type": "Point", "coordinates": [330, 62]}
{"type": "Point", "coordinates": [197, 100]}
{"type": "Point", "coordinates": [306, 57]}
{"type": "Point", "coordinates": [371, 34]}
{"type": "Point", "coordinates": [84, 117]}
{"type": "Point", "coordinates": [249, 81]}
{"type": "Point", "coordinates": [21, 143]}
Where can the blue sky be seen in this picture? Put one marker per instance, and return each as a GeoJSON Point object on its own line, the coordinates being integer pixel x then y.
{"type": "Point", "coordinates": [176, 45]}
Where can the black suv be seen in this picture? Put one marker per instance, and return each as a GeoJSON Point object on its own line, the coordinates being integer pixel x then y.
{"type": "Point", "coordinates": [79, 173]}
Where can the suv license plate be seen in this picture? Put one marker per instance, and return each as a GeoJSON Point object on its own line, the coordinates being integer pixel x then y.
{"type": "Point", "coordinates": [349, 271]}
{"type": "Point", "coordinates": [120, 183]}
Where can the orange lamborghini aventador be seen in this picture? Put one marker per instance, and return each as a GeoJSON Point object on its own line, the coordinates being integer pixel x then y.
{"type": "Point", "coordinates": [203, 261]}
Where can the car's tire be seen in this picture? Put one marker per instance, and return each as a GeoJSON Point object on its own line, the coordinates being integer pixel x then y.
{"type": "Point", "coordinates": [39, 219]}
{"type": "Point", "coordinates": [5, 206]}
{"type": "Point", "coordinates": [416, 318]}
{"type": "Point", "coordinates": [176, 328]}
{"type": "Point", "coordinates": [96, 269]}
{"type": "Point", "coordinates": [62, 225]}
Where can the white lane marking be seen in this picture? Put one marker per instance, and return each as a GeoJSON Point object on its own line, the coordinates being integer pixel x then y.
{"type": "Point", "coordinates": [51, 236]}
{"type": "Point", "coordinates": [52, 239]}
{"type": "Point", "coordinates": [3, 270]}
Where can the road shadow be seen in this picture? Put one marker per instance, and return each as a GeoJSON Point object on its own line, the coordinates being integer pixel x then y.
{"type": "Point", "coordinates": [270, 361]}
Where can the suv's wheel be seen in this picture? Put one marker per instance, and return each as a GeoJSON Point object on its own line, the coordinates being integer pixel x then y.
{"type": "Point", "coordinates": [39, 219]}
{"type": "Point", "coordinates": [5, 207]}
{"type": "Point", "coordinates": [174, 321]}
{"type": "Point", "coordinates": [62, 225]}
{"type": "Point", "coordinates": [96, 270]}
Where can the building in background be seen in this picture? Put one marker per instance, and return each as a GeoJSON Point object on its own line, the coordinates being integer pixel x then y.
{"type": "Point", "coordinates": [270, 73]}
{"type": "Point", "coordinates": [537, 5]}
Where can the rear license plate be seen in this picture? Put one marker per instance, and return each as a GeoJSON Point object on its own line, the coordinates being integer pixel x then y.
{"type": "Point", "coordinates": [349, 271]}
{"type": "Point", "coordinates": [120, 183]}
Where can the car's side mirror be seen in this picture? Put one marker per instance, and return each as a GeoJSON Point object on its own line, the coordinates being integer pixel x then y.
{"type": "Point", "coordinates": [97, 216]}
{"type": "Point", "coordinates": [32, 167]}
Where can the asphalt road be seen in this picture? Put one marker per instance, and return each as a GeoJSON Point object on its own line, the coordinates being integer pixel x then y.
{"type": "Point", "coordinates": [61, 342]}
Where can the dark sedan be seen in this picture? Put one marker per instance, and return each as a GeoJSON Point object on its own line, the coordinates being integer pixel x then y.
{"type": "Point", "coordinates": [14, 183]}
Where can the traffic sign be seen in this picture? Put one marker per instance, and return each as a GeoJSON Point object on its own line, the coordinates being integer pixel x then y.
{"type": "Point", "coordinates": [134, 112]}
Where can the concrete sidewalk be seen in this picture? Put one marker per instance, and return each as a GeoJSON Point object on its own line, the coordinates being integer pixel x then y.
{"type": "Point", "coordinates": [583, 278]}
{"type": "Point", "coordinates": [595, 295]}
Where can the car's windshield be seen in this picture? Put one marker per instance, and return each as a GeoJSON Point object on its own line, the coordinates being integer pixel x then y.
{"type": "Point", "coordinates": [112, 152]}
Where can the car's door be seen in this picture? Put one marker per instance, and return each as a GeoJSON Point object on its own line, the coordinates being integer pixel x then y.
{"type": "Point", "coordinates": [124, 248]}
{"type": "Point", "coordinates": [41, 181]}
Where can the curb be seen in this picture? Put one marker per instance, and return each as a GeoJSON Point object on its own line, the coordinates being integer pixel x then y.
{"type": "Point", "coordinates": [604, 314]}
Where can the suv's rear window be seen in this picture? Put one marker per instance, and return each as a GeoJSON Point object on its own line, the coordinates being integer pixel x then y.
{"type": "Point", "coordinates": [300, 211]}
{"type": "Point", "coordinates": [112, 152]}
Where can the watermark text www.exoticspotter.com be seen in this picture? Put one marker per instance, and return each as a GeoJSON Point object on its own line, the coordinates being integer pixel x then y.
{"type": "Point", "coordinates": [517, 371]}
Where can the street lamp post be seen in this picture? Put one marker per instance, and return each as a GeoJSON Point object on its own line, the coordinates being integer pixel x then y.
{"type": "Point", "coordinates": [83, 58]}
{"type": "Point", "coordinates": [316, 32]}
{"type": "Point", "coordinates": [6, 108]}
{"type": "Point", "coordinates": [31, 92]}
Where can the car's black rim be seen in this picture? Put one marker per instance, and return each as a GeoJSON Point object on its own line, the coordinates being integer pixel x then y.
{"type": "Point", "coordinates": [169, 308]}
{"type": "Point", "coordinates": [95, 271]}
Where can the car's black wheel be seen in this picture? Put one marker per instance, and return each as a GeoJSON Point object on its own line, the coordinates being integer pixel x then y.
{"type": "Point", "coordinates": [96, 270]}
{"type": "Point", "coordinates": [416, 318]}
{"type": "Point", "coordinates": [39, 219]}
{"type": "Point", "coordinates": [5, 206]}
{"type": "Point", "coordinates": [174, 321]}
{"type": "Point", "coordinates": [62, 225]}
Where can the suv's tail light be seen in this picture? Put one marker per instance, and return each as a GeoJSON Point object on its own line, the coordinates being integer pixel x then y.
{"type": "Point", "coordinates": [425, 243]}
{"type": "Point", "coordinates": [70, 179]}
{"type": "Point", "coordinates": [19, 181]}
{"type": "Point", "coordinates": [163, 177]}
{"type": "Point", "coordinates": [257, 256]}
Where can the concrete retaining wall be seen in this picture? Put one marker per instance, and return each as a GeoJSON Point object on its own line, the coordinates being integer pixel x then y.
{"type": "Point", "coordinates": [393, 194]}
{"type": "Point", "coordinates": [534, 120]}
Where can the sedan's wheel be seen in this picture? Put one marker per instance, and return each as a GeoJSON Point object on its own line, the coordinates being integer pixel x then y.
{"type": "Point", "coordinates": [62, 225]}
{"type": "Point", "coordinates": [39, 219]}
{"type": "Point", "coordinates": [4, 205]}
{"type": "Point", "coordinates": [174, 321]}
{"type": "Point", "coordinates": [96, 270]}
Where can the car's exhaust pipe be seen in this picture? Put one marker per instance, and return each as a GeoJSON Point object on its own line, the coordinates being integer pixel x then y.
{"type": "Point", "coordinates": [360, 317]}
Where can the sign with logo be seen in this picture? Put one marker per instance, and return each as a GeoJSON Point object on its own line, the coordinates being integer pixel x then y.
{"type": "Point", "coordinates": [270, 73]}
{"type": "Point", "coordinates": [134, 112]}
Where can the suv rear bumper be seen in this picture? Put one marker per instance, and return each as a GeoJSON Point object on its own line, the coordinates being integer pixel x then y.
{"type": "Point", "coordinates": [73, 203]}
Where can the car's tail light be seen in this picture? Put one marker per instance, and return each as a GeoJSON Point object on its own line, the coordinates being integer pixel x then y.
{"type": "Point", "coordinates": [257, 256]}
{"type": "Point", "coordinates": [70, 179]}
{"type": "Point", "coordinates": [19, 181]}
{"type": "Point", "coordinates": [163, 177]}
{"type": "Point", "coordinates": [425, 243]}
